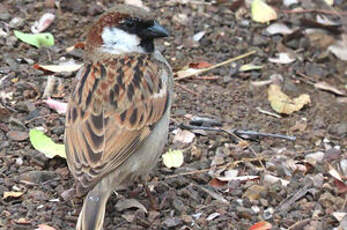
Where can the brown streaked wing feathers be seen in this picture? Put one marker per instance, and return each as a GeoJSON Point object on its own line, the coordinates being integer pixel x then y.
{"type": "Point", "coordinates": [108, 118]}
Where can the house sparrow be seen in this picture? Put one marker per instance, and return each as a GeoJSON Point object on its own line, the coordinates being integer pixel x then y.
{"type": "Point", "coordinates": [118, 114]}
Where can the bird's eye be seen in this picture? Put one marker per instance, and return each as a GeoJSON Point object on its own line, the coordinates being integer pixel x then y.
{"type": "Point", "coordinates": [131, 22]}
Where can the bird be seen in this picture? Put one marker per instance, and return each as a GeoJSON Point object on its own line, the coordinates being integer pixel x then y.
{"type": "Point", "coordinates": [118, 114]}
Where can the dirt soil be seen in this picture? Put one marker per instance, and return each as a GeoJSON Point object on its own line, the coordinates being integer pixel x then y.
{"type": "Point", "coordinates": [193, 196]}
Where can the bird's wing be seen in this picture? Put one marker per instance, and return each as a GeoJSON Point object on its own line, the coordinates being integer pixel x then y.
{"type": "Point", "coordinates": [113, 109]}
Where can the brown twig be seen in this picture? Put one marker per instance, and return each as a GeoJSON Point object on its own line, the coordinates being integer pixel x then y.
{"type": "Point", "coordinates": [252, 150]}
{"type": "Point", "coordinates": [300, 224]}
{"type": "Point", "coordinates": [257, 156]}
{"type": "Point", "coordinates": [232, 164]}
{"type": "Point", "coordinates": [268, 113]}
{"type": "Point", "coordinates": [200, 71]}
{"type": "Point", "coordinates": [254, 133]}
{"type": "Point", "coordinates": [238, 133]}
{"type": "Point", "coordinates": [186, 89]}
{"type": "Point", "coordinates": [189, 173]}
{"type": "Point", "coordinates": [302, 11]}
{"type": "Point", "coordinates": [207, 77]}
{"type": "Point", "coordinates": [306, 79]}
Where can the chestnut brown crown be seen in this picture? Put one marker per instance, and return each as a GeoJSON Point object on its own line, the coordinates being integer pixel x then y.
{"type": "Point", "coordinates": [125, 27]}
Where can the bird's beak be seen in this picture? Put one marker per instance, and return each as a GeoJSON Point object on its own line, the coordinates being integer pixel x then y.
{"type": "Point", "coordinates": [156, 31]}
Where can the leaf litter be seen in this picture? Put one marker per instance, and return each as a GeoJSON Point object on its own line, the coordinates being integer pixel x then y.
{"type": "Point", "coordinates": [186, 193]}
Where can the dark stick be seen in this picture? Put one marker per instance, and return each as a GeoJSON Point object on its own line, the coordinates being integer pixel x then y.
{"type": "Point", "coordinates": [239, 132]}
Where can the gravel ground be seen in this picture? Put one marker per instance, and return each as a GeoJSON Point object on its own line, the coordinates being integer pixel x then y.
{"type": "Point", "coordinates": [201, 194]}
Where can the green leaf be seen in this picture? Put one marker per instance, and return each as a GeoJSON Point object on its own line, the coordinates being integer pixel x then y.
{"type": "Point", "coordinates": [45, 145]}
{"type": "Point", "coordinates": [37, 40]}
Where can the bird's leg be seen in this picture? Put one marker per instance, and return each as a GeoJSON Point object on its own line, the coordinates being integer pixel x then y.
{"type": "Point", "coordinates": [153, 202]}
{"type": "Point", "coordinates": [93, 211]}
{"type": "Point", "coordinates": [134, 193]}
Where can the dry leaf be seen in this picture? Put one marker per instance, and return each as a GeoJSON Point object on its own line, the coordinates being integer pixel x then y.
{"type": "Point", "coordinates": [339, 48]}
{"type": "Point", "coordinates": [44, 22]}
{"type": "Point", "coordinates": [199, 65]}
{"type": "Point", "coordinates": [322, 19]}
{"type": "Point", "coordinates": [3, 33]}
{"type": "Point", "coordinates": [269, 179]}
{"type": "Point", "coordinates": [137, 3]}
{"type": "Point", "coordinates": [343, 166]}
{"type": "Point", "coordinates": [129, 217]}
{"type": "Point", "coordinates": [290, 2]}
{"type": "Point", "coordinates": [341, 187]}
{"type": "Point", "coordinates": [334, 173]}
{"type": "Point", "coordinates": [78, 45]}
{"type": "Point", "coordinates": [319, 38]}
{"type": "Point", "coordinates": [17, 135]}
{"type": "Point", "coordinates": [282, 58]}
{"type": "Point", "coordinates": [50, 85]}
{"type": "Point", "coordinates": [329, 2]}
{"type": "Point", "coordinates": [250, 67]}
{"type": "Point", "coordinates": [229, 175]}
{"type": "Point", "coordinates": [22, 220]}
{"type": "Point", "coordinates": [263, 225]}
{"type": "Point", "coordinates": [299, 126]}
{"type": "Point", "coordinates": [213, 216]}
{"type": "Point", "coordinates": [313, 158]}
{"type": "Point", "coordinates": [262, 12]}
{"type": "Point", "coordinates": [180, 19]}
{"type": "Point", "coordinates": [253, 192]}
{"type": "Point", "coordinates": [12, 194]}
{"type": "Point", "coordinates": [339, 215]}
{"type": "Point", "coordinates": [69, 66]}
{"type": "Point", "coordinates": [217, 183]}
{"type": "Point", "coordinates": [184, 136]}
{"type": "Point", "coordinates": [130, 203]}
{"type": "Point", "coordinates": [58, 106]}
{"type": "Point", "coordinates": [278, 28]}
{"type": "Point", "coordinates": [196, 152]}
{"type": "Point", "coordinates": [281, 103]}
{"type": "Point", "coordinates": [4, 112]}
{"type": "Point", "coordinates": [173, 158]}
{"type": "Point", "coordinates": [198, 36]}
{"type": "Point", "coordinates": [45, 227]}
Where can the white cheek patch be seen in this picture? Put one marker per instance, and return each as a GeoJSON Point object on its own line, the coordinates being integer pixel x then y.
{"type": "Point", "coordinates": [117, 41]}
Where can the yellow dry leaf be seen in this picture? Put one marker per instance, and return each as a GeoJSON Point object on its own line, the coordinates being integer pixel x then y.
{"type": "Point", "coordinates": [15, 80]}
{"type": "Point", "coordinates": [329, 2]}
{"type": "Point", "coordinates": [254, 192]}
{"type": "Point", "coordinates": [281, 103]}
{"type": "Point", "coordinates": [12, 194]}
{"type": "Point", "coordinates": [262, 12]}
{"type": "Point", "coordinates": [173, 158]}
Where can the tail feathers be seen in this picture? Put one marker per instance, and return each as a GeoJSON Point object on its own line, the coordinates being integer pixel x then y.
{"type": "Point", "coordinates": [93, 211]}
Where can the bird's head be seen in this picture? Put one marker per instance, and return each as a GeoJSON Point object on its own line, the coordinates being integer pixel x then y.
{"type": "Point", "coordinates": [124, 29]}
